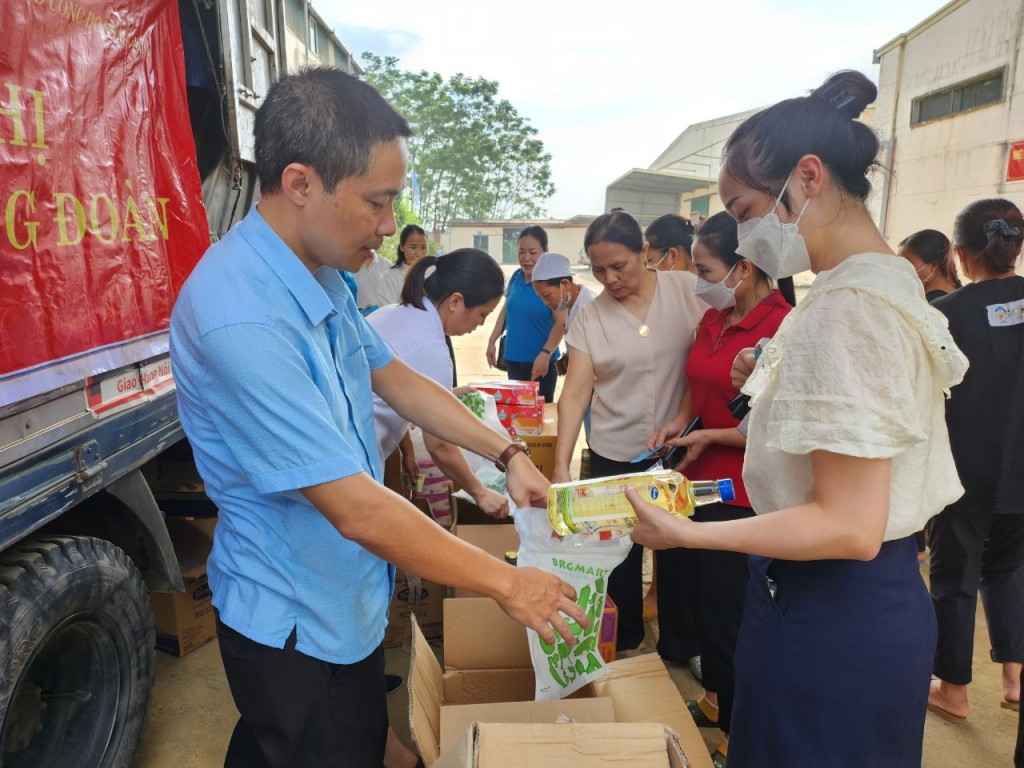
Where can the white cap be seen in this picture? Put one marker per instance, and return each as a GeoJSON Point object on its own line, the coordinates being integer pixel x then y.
{"type": "Point", "coordinates": [551, 266]}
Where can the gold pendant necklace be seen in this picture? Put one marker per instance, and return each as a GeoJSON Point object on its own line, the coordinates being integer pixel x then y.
{"type": "Point", "coordinates": [645, 331]}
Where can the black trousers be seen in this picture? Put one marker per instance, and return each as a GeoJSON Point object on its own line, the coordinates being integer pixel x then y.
{"type": "Point", "coordinates": [300, 711]}
{"type": "Point", "coordinates": [521, 372]}
{"type": "Point", "coordinates": [719, 582]}
{"type": "Point", "coordinates": [625, 585]}
{"type": "Point", "coordinates": [971, 549]}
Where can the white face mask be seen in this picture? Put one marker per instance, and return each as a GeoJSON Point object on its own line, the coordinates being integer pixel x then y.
{"type": "Point", "coordinates": [718, 295]}
{"type": "Point", "coordinates": [563, 303]}
{"type": "Point", "coordinates": [777, 248]}
{"type": "Point", "coordinates": [657, 265]}
{"type": "Point", "coordinates": [926, 280]}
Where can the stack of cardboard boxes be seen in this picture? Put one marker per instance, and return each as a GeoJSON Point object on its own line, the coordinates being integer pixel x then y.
{"type": "Point", "coordinates": [478, 711]}
{"type": "Point", "coordinates": [185, 620]}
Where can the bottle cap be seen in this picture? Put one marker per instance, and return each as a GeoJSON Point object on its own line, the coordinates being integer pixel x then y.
{"type": "Point", "coordinates": [726, 490]}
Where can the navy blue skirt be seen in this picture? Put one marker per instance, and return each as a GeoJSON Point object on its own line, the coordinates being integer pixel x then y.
{"type": "Point", "coordinates": [833, 663]}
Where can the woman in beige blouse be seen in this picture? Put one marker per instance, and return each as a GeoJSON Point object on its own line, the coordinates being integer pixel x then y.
{"type": "Point", "coordinates": [629, 346]}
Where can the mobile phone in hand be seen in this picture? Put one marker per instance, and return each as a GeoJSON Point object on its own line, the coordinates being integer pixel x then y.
{"type": "Point", "coordinates": [676, 454]}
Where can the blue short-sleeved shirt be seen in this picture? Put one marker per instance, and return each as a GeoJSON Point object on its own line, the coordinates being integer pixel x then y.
{"type": "Point", "coordinates": [272, 366]}
{"type": "Point", "coordinates": [529, 321]}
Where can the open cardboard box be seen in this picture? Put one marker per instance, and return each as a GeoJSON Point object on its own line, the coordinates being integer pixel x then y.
{"type": "Point", "coordinates": [495, 540]}
{"type": "Point", "coordinates": [487, 662]}
{"type": "Point", "coordinates": [577, 745]}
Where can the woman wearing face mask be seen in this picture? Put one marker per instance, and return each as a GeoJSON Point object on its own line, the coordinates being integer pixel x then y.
{"type": "Point", "coordinates": [979, 540]}
{"type": "Point", "coordinates": [627, 347]}
{"type": "Point", "coordinates": [668, 241]}
{"type": "Point", "coordinates": [553, 283]}
{"type": "Point", "coordinates": [929, 252]}
{"type": "Point", "coordinates": [412, 246]}
{"type": "Point", "coordinates": [745, 307]}
{"type": "Point", "coordinates": [533, 332]}
{"type": "Point", "coordinates": [847, 453]}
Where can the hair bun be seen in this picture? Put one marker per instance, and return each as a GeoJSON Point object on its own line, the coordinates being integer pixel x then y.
{"type": "Point", "coordinates": [848, 92]}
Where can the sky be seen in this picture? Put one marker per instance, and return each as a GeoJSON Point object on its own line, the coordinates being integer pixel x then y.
{"type": "Point", "coordinates": [610, 90]}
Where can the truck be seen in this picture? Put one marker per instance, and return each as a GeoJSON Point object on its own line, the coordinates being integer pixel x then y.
{"type": "Point", "coordinates": [126, 147]}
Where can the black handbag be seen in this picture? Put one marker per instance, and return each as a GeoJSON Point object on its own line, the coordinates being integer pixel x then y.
{"type": "Point", "coordinates": [500, 363]}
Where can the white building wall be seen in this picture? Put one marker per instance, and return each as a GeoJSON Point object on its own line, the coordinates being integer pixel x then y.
{"type": "Point", "coordinates": [563, 238]}
{"type": "Point", "coordinates": [939, 167]}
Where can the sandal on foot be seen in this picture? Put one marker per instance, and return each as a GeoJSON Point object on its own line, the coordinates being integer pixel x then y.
{"type": "Point", "coordinates": [945, 714]}
{"type": "Point", "coordinates": [1011, 705]}
{"type": "Point", "coordinates": [704, 715]}
{"type": "Point", "coordinates": [721, 755]}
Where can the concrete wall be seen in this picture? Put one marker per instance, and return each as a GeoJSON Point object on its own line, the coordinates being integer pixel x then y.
{"type": "Point", "coordinates": [563, 237]}
{"type": "Point", "coordinates": [940, 166]}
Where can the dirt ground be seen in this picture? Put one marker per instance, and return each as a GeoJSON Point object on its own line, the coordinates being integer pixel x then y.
{"type": "Point", "coordinates": [192, 715]}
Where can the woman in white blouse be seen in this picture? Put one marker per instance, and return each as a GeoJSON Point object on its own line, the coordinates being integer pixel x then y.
{"type": "Point", "coordinates": [628, 346]}
{"type": "Point", "coordinates": [847, 453]}
{"type": "Point", "coordinates": [443, 296]}
{"type": "Point", "coordinates": [412, 246]}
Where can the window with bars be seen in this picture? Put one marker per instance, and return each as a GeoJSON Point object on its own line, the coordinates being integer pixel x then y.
{"type": "Point", "coordinates": [964, 96]}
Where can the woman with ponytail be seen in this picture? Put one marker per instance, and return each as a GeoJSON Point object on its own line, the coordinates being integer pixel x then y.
{"type": "Point", "coordinates": [442, 296]}
{"type": "Point", "coordinates": [847, 453]}
{"type": "Point", "coordinates": [930, 253]}
{"type": "Point", "coordinates": [979, 540]}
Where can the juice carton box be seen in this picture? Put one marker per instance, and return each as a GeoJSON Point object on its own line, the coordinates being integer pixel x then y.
{"type": "Point", "coordinates": [522, 420]}
{"type": "Point", "coordinates": [511, 392]}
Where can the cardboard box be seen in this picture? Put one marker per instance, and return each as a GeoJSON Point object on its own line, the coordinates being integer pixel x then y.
{"type": "Point", "coordinates": [419, 596]}
{"type": "Point", "coordinates": [522, 420]}
{"type": "Point", "coordinates": [572, 745]}
{"type": "Point", "coordinates": [467, 512]}
{"type": "Point", "coordinates": [487, 661]}
{"type": "Point", "coordinates": [609, 631]}
{"type": "Point", "coordinates": [495, 540]}
{"type": "Point", "coordinates": [185, 620]}
{"type": "Point", "coordinates": [510, 392]}
{"type": "Point", "coordinates": [542, 446]}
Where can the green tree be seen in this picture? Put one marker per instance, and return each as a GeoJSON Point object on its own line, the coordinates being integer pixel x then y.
{"type": "Point", "coordinates": [475, 156]}
{"type": "Point", "coordinates": [404, 214]}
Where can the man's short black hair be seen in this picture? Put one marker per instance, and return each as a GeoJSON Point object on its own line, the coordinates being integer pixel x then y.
{"type": "Point", "coordinates": [326, 119]}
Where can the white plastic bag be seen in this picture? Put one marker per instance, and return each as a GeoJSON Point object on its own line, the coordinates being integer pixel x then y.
{"type": "Point", "coordinates": [483, 406]}
{"type": "Point", "coordinates": [585, 562]}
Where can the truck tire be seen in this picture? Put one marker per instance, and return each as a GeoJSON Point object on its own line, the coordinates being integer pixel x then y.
{"type": "Point", "coordinates": [76, 654]}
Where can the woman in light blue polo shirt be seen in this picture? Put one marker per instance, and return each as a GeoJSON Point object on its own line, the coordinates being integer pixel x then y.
{"type": "Point", "coordinates": [532, 332]}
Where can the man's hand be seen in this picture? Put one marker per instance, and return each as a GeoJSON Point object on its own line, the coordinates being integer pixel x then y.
{"type": "Point", "coordinates": [492, 503]}
{"type": "Point", "coordinates": [539, 599]}
{"type": "Point", "coordinates": [541, 364]}
{"type": "Point", "coordinates": [526, 485]}
{"type": "Point", "coordinates": [410, 466]}
{"type": "Point", "coordinates": [743, 366]}
{"type": "Point", "coordinates": [656, 528]}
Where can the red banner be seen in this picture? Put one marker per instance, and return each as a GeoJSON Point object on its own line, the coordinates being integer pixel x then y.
{"type": "Point", "coordinates": [1015, 168]}
{"type": "Point", "coordinates": [103, 210]}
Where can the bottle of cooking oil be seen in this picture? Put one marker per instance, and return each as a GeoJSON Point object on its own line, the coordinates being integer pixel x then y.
{"type": "Point", "coordinates": [592, 506]}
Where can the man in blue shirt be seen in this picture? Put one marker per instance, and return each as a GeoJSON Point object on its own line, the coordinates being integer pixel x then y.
{"type": "Point", "coordinates": [275, 371]}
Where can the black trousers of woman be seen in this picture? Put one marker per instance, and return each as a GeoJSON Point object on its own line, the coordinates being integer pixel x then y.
{"type": "Point", "coordinates": [974, 550]}
{"type": "Point", "coordinates": [720, 583]}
